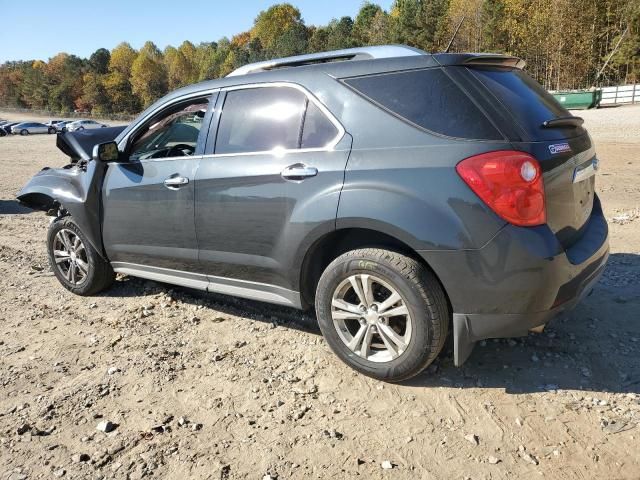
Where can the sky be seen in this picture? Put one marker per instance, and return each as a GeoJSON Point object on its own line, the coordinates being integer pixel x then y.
{"type": "Point", "coordinates": [38, 29]}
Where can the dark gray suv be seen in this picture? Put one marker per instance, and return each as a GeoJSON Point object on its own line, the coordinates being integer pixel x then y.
{"type": "Point", "coordinates": [400, 193]}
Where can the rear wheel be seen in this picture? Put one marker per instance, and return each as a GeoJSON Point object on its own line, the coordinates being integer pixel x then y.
{"type": "Point", "coordinates": [51, 130]}
{"type": "Point", "coordinates": [382, 313]}
{"type": "Point", "coordinates": [75, 263]}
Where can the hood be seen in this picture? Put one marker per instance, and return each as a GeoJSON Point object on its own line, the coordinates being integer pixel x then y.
{"type": "Point", "coordinates": [79, 145]}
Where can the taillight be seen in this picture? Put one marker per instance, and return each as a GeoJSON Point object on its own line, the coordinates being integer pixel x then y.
{"type": "Point", "coordinates": [510, 183]}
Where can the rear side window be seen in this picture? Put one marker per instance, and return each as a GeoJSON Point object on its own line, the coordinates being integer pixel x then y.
{"type": "Point", "coordinates": [261, 119]}
{"type": "Point", "coordinates": [318, 131]}
{"type": "Point", "coordinates": [525, 99]}
{"type": "Point", "coordinates": [428, 99]}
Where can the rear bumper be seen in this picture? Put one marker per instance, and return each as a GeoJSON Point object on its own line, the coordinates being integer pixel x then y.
{"type": "Point", "coordinates": [520, 280]}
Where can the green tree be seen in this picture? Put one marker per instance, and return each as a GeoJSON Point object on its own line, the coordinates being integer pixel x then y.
{"type": "Point", "coordinates": [363, 23]}
{"type": "Point", "coordinates": [293, 41]}
{"type": "Point", "coordinates": [94, 94]}
{"type": "Point", "coordinates": [405, 27]}
{"type": "Point", "coordinates": [318, 39]}
{"type": "Point", "coordinates": [99, 61]}
{"type": "Point", "coordinates": [34, 91]}
{"type": "Point", "coordinates": [432, 25]}
{"type": "Point", "coordinates": [340, 34]}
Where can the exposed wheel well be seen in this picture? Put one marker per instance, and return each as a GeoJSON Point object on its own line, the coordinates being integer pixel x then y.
{"type": "Point", "coordinates": [334, 244]}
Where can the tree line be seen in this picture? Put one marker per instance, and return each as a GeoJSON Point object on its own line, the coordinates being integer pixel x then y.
{"type": "Point", "coordinates": [565, 44]}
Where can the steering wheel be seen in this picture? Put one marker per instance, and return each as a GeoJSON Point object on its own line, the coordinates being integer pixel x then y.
{"type": "Point", "coordinates": [181, 147]}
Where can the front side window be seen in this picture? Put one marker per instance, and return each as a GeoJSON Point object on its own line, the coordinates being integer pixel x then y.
{"type": "Point", "coordinates": [174, 133]}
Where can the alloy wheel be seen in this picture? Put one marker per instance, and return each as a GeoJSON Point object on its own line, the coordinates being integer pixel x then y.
{"type": "Point", "coordinates": [70, 256]}
{"type": "Point", "coordinates": [371, 318]}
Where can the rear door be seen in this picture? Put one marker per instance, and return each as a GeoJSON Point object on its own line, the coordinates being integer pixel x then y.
{"type": "Point", "coordinates": [273, 176]}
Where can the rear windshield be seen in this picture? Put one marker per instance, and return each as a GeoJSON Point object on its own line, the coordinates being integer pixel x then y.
{"type": "Point", "coordinates": [428, 99]}
{"type": "Point", "coordinates": [526, 100]}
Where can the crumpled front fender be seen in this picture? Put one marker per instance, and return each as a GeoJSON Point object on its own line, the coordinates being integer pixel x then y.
{"type": "Point", "coordinates": [72, 189]}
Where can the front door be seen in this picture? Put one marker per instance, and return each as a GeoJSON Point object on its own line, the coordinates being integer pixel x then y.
{"type": "Point", "coordinates": [148, 199]}
{"type": "Point", "coordinates": [275, 175]}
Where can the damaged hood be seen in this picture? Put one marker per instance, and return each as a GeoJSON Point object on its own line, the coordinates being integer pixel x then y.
{"type": "Point", "coordinates": [79, 145]}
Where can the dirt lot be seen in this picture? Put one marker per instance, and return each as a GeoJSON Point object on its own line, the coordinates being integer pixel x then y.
{"type": "Point", "coordinates": [202, 386]}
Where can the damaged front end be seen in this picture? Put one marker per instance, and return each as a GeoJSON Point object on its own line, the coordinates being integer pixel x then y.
{"type": "Point", "coordinates": [75, 188]}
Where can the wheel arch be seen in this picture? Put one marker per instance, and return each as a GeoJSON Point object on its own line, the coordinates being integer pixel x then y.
{"type": "Point", "coordinates": [333, 244]}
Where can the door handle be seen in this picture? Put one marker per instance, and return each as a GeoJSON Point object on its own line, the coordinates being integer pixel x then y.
{"type": "Point", "coordinates": [175, 182]}
{"type": "Point", "coordinates": [299, 172]}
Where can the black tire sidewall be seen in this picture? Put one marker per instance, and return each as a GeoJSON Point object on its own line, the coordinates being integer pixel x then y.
{"type": "Point", "coordinates": [24, 132]}
{"type": "Point", "coordinates": [91, 280]}
{"type": "Point", "coordinates": [413, 360]}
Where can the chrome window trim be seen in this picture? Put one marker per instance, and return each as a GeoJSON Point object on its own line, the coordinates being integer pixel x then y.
{"type": "Point", "coordinates": [310, 97]}
{"type": "Point", "coordinates": [202, 93]}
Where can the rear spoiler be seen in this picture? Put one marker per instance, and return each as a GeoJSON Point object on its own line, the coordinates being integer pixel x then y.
{"type": "Point", "coordinates": [479, 60]}
{"type": "Point", "coordinates": [495, 61]}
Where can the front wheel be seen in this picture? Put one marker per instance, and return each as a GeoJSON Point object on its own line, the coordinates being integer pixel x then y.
{"type": "Point", "coordinates": [384, 314]}
{"type": "Point", "coordinates": [24, 132]}
{"type": "Point", "coordinates": [75, 263]}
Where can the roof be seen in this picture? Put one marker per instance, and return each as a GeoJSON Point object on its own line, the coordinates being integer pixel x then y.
{"type": "Point", "coordinates": [361, 53]}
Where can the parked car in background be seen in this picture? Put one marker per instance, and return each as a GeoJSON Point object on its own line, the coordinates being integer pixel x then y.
{"type": "Point", "coordinates": [401, 193]}
{"type": "Point", "coordinates": [27, 128]}
{"type": "Point", "coordinates": [79, 125]}
{"type": "Point", "coordinates": [7, 127]}
{"type": "Point", "coordinates": [53, 125]}
{"type": "Point", "coordinates": [62, 126]}
{"type": "Point", "coordinates": [3, 133]}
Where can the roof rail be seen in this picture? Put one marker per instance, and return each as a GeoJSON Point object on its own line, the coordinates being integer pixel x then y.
{"type": "Point", "coordinates": [362, 53]}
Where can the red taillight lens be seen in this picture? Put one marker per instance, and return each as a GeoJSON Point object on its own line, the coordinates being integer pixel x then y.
{"type": "Point", "coordinates": [509, 182]}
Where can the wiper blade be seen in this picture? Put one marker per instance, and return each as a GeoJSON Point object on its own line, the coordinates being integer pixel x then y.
{"type": "Point", "coordinates": [563, 122]}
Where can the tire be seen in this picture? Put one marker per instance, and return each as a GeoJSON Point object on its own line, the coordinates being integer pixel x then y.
{"type": "Point", "coordinates": [91, 273]}
{"type": "Point", "coordinates": [420, 295]}
{"type": "Point", "coordinates": [51, 130]}
{"type": "Point", "coordinates": [79, 129]}
{"type": "Point", "coordinates": [24, 132]}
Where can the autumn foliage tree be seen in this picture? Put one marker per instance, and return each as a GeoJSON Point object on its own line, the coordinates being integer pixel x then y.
{"type": "Point", "coordinates": [565, 44]}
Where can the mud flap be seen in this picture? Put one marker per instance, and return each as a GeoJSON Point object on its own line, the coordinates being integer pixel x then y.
{"type": "Point", "coordinates": [462, 343]}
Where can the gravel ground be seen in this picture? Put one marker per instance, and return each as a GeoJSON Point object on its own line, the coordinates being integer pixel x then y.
{"type": "Point", "coordinates": [148, 380]}
{"type": "Point", "coordinates": [614, 123]}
